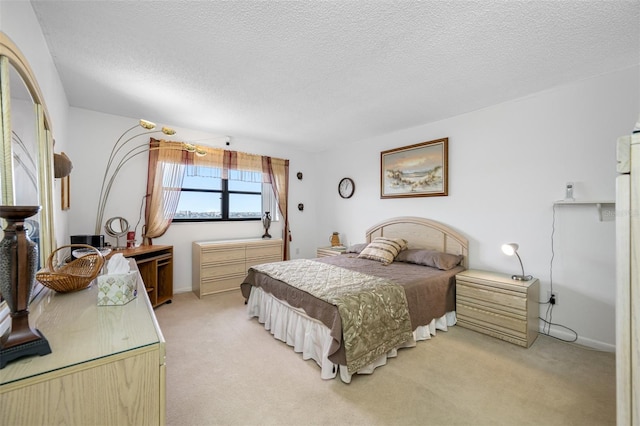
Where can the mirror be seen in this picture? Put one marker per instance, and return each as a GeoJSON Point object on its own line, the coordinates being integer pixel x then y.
{"type": "Point", "coordinates": [26, 145]}
{"type": "Point", "coordinates": [117, 227]}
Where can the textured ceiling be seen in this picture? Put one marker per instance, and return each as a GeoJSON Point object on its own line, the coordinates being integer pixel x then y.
{"type": "Point", "coordinates": [321, 73]}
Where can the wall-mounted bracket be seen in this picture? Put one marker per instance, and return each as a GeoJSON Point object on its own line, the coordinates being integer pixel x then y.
{"type": "Point", "coordinates": [600, 205]}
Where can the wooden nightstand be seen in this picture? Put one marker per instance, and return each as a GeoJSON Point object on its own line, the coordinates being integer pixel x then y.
{"type": "Point", "coordinates": [328, 251]}
{"type": "Point", "coordinates": [496, 305]}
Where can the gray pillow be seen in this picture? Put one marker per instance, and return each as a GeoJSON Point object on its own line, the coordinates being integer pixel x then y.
{"type": "Point", "coordinates": [356, 248]}
{"type": "Point", "coordinates": [435, 259]}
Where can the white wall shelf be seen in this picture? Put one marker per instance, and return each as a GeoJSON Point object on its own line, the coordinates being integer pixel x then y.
{"type": "Point", "coordinates": [598, 203]}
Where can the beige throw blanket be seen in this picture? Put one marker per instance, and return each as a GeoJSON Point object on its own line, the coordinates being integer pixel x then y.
{"type": "Point", "coordinates": [373, 310]}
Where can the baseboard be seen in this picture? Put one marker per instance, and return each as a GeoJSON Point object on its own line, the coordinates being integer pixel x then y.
{"type": "Point", "coordinates": [583, 341]}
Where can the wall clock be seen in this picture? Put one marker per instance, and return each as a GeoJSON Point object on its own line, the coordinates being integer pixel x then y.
{"type": "Point", "coordinates": [346, 187]}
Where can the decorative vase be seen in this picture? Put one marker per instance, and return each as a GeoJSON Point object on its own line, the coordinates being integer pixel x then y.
{"type": "Point", "coordinates": [266, 222]}
{"type": "Point", "coordinates": [18, 265]}
{"type": "Point", "coordinates": [335, 239]}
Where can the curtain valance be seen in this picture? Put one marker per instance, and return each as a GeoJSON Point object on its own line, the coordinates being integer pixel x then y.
{"type": "Point", "coordinates": [169, 162]}
{"type": "Point", "coordinates": [215, 162]}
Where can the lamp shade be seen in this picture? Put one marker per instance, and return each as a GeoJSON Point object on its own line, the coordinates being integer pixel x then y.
{"type": "Point", "coordinates": [510, 249]}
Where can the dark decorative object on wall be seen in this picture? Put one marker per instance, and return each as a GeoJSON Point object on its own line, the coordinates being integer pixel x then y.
{"type": "Point", "coordinates": [301, 207]}
{"type": "Point", "coordinates": [299, 175]}
{"type": "Point", "coordinates": [266, 222]}
{"type": "Point", "coordinates": [18, 265]}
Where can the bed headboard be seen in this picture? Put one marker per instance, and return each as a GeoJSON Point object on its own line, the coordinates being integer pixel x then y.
{"type": "Point", "coordinates": [422, 234]}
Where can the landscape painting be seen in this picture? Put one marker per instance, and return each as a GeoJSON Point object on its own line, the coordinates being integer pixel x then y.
{"type": "Point", "coordinates": [419, 170]}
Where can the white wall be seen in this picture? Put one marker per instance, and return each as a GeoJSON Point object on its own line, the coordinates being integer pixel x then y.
{"type": "Point", "coordinates": [92, 136]}
{"type": "Point", "coordinates": [508, 163]}
{"type": "Point", "coordinates": [18, 21]}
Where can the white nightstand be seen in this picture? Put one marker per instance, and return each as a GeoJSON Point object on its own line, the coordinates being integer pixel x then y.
{"type": "Point", "coordinates": [328, 251]}
{"type": "Point", "coordinates": [494, 304]}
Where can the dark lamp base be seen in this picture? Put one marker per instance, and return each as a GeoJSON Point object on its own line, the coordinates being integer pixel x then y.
{"type": "Point", "coordinates": [39, 346]}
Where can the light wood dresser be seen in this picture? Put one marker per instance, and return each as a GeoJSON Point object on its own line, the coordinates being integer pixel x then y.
{"type": "Point", "coordinates": [222, 265]}
{"type": "Point", "coordinates": [499, 306]}
{"type": "Point", "coordinates": [107, 364]}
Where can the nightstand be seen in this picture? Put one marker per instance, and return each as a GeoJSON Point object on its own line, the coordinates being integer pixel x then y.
{"type": "Point", "coordinates": [329, 251]}
{"type": "Point", "coordinates": [494, 304]}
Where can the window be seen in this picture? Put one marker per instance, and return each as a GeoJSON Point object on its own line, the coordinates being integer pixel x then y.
{"type": "Point", "coordinates": [208, 197]}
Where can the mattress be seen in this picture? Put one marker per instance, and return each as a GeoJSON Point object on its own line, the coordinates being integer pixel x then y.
{"type": "Point", "coordinates": [430, 295]}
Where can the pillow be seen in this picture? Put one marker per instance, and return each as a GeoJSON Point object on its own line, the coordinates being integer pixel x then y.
{"type": "Point", "coordinates": [356, 248]}
{"type": "Point", "coordinates": [383, 249]}
{"type": "Point", "coordinates": [435, 259]}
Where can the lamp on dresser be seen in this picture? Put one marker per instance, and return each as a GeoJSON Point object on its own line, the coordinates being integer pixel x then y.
{"type": "Point", "coordinates": [511, 249]}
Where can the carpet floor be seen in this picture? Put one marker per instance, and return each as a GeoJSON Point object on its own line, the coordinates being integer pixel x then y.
{"type": "Point", "coordinates": [226, 369]}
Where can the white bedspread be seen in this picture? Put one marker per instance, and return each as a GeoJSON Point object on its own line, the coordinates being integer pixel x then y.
{"type": "Point", "coordinates": [311, 338]}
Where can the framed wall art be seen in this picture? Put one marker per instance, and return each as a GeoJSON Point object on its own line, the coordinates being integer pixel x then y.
{"type": "Point", "coordinates": [65, 202]}
{"type": "Point", "coordinates": [419, 170]}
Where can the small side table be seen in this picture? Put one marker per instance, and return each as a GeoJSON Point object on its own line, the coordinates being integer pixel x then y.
{"type": "Point", "coordinates": [494, 304]}
{"type": "Point", "coordinates": [329, 251]}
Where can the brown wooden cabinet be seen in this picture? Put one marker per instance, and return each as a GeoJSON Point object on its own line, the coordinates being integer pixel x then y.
{"type": "Point", "coordinates": [155, 264]}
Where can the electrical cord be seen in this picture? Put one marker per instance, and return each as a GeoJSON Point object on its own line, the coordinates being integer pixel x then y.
{"type": "Point", "coordinates": [553, 252]}
{"type": "Point", "coordinates": [559, 325]}
{"type": "Point", "coordinates": [548, 318]}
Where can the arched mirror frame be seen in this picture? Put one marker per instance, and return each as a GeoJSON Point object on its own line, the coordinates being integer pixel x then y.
{"type": "Point", "coordinates": [10, 56]}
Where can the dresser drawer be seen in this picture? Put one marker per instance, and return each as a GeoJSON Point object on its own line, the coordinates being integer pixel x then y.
{"type": "Point", "coordinates": [491, 296]}
{"type": "Point", "coordinates": [251, 262]}
{"type": "Point", "coordinates": [507, 336]}
{"type": "Point", "coordinates": [222, 255]}
{"type": "Point", "coordinates": [211, 286]}
{"type": "Point", "coordinates": [220, 270]}
{"type": "Point", "coordinates": [471, 313]}
{"type": "Point", "coordinates": [269, 251]}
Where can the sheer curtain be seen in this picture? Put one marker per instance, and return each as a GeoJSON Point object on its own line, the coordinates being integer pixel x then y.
{"type": "Point", "coordinates": [168, 162]}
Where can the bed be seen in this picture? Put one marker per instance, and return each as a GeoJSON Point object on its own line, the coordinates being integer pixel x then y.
{"type": "Point", "coordinates": [351, 312]}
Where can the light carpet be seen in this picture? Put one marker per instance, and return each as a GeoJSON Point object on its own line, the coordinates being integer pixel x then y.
{"type": "Point", "coordinates": [226, 369]}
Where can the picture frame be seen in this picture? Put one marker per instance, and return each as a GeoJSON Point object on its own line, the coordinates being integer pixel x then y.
{"type": "Point", "coordinates": [419, 170]}
{"type": "Point", "coordinates": [65, 191]}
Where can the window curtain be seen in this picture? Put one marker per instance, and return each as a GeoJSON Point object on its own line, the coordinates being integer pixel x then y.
{"type": "Point", "coordinates": [168, 162]}
{"type": "Point", "coordinates": [276, 172]}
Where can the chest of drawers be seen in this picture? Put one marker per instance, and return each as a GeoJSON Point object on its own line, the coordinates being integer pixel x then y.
{"type": "Point", "coordinates": [107, 365]}
{"type": "Point", "coordinates": [499, 306]}
{"type": "Point", "coordinates": [222, 265]}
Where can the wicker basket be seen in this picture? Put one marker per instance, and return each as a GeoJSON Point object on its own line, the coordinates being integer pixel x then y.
{"type": "Point", "coordinates": [71, 274]}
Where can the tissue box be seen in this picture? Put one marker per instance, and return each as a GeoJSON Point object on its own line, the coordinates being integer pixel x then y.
{"type": "Point", "coordinates": [117, 289]}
